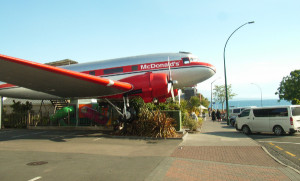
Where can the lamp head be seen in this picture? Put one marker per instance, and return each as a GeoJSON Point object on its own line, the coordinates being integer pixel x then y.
{"type": "Point", "coordinates": [250, 22]}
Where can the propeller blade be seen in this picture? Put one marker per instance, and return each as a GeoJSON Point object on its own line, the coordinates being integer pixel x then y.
{"type": "Point", "coordinates": [169, 87]}
{"type": "Point", "coordinates": [170, 74]}
{"type": "Point", "coordinates": [179, 95]}
{"type": "Point", "coordinates": [172, 93]}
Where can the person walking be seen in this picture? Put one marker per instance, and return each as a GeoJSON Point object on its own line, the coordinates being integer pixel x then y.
{"type": "Point", "coordinates": [213, 115]}
{"type": "Point", "coordinates": [218, 114]}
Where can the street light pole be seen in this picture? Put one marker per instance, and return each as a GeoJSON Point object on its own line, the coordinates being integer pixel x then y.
{"type": "Point", "coordinates": [260, 94]}
{"type": "Point", "coordinates": [226, 93]}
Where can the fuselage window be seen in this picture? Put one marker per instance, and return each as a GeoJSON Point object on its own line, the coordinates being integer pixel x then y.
{"type": "Point", "coordinates": [186, 60]}
{"type": "Point", "coordinates": [134, 67]}
{"type": "Point", "coordinates": [112, 71]}
{"type": "Point", "coordinates": [92, 73]}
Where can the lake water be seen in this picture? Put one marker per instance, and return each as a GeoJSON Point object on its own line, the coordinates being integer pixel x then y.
{"type": "Point", "coordinates": [257, 103]}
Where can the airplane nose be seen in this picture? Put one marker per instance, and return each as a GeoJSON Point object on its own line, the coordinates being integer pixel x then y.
{"type": "Point", "coordinates": [214, 68]}
{"type": "Point", "coordinates": [207, 65]}
{"type": "Point", "coordinates": [194, 73]}
{"type": "Point", "coordinates": [211, 66]}
{"type": "Point", "coordinates": [206, 70]}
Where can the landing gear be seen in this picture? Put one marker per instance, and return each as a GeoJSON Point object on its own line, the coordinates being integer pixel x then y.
{"type": "Point", "coordinates": [127, 114]}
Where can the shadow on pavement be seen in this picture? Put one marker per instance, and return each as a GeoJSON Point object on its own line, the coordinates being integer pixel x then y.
{"type": "Point", "coordinates": [60, 135]}
{"type": "Point", "coordinates": [226, 134]}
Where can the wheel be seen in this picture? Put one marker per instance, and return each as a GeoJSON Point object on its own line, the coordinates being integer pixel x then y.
{"type": "Point", "coordinates": [278, 130]}
{"type": "Point", "coordinates": [246, 130]}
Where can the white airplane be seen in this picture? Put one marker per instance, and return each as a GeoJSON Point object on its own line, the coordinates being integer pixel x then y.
{"type": "Point", "coordinates": [152, 77]}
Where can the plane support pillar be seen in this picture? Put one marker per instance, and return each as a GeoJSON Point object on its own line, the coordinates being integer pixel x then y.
{"type": "Point", "coordinates": [1, 111]}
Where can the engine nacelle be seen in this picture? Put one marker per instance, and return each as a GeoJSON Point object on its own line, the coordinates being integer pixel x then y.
{"type": "Point", "coordinates": [149, 86]}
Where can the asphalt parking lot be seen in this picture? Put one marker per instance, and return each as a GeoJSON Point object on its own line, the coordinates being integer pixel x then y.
{"type": "Point", "coordinates": [286, 148]}
{"type": "Point", "coordinates": [78, 155]}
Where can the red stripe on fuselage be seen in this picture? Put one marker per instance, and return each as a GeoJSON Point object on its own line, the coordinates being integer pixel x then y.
{"type": "Point", "coordinates": [149, 67]}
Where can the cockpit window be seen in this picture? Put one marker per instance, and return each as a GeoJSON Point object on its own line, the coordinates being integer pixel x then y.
{"type": "Point", "coordinates": [186, 60]}
{"type": "Point", "coordinates": [194, 59]}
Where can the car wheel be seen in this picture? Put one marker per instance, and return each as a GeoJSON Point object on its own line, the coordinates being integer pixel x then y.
{"type": "Point", "coordinates": [246, 130]}
{"type": "Point", "coordinates": [278, 130]}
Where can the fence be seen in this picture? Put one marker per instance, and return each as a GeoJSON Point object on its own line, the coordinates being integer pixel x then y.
{"type": "Point", "coordinates": [16, 120]}
{"type": "Point", "coordinates": [19, 120]}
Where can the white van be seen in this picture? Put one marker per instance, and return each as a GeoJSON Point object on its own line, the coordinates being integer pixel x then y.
{"type": "Point", "coordinates": [233, 113]}
{"type": "Point", "coordinates": [279, 119]}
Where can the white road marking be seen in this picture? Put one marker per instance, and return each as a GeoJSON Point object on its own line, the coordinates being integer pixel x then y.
{"type": "Point", "coordinates": [35, 178]}
{"type": "Point", "coordinates": [279, 142]}
{"type": "Point", "coordinates": [97, 139]}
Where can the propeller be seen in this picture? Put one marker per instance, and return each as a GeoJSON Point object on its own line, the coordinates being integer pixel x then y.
{"type": "Point", "coordinates": [179, 95]}
{"type": "Point", "coordinates": [171, 82]}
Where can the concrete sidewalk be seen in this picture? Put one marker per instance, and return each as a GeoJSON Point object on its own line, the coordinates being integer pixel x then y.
{"type": "Point", "coordinates": [219, 152]}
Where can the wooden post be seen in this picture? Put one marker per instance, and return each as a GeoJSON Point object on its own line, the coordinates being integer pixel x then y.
{"type": "Point", "coordinates": [28, 123]}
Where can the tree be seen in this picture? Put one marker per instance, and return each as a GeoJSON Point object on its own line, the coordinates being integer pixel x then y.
{"type": "Point", "coordinates": [220, 95]}
{"type": "Point", "coordinates": [289, 88]}
{"type": "Point", "coordinates": [20, 108]}
{"type": "Point", "coordinates": [194, 101]}
{"type": "Point", "coordinates": [204, 101]}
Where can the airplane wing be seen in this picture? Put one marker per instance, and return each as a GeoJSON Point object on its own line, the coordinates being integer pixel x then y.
{"type": "Point", "coordinates": [57, 81]}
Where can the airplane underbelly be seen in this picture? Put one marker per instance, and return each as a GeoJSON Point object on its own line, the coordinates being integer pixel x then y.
{"type": "Point", "coordinates": [23, 93]}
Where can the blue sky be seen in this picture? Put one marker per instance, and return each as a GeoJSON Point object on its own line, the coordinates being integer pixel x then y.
{"type": "Point", "coordinates": [85, 30]}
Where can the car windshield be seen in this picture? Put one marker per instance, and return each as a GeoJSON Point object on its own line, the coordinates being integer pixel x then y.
{"type": "Point", "coordinates": [245, 113]}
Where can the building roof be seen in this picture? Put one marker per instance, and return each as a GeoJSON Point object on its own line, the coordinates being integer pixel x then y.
{"type": "Point", "coordinates": [62, 62]}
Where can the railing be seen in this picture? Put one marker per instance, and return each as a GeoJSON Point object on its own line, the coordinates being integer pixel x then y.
{"type": "Point", "coordinates": [17, 120]}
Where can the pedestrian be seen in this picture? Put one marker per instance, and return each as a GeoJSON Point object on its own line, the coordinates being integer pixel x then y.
{"type": "Point", "coordinates": [194, 116]}
{"type": "Point", "coordinates": [218, 114]}
{"type": "Point", "coordinates": [213, 115]}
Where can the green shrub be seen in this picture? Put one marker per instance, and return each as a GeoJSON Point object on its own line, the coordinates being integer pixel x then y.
{"type": "Point", "coordinates": [191, 123]}
{"type": "Point", "coordinates": [151, 124]}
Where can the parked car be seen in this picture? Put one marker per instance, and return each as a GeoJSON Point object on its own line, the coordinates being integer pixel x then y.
{"type": "Point", "coordinates": [233, 113]}
{"type": "Point", "coordinates": [279, 119]}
